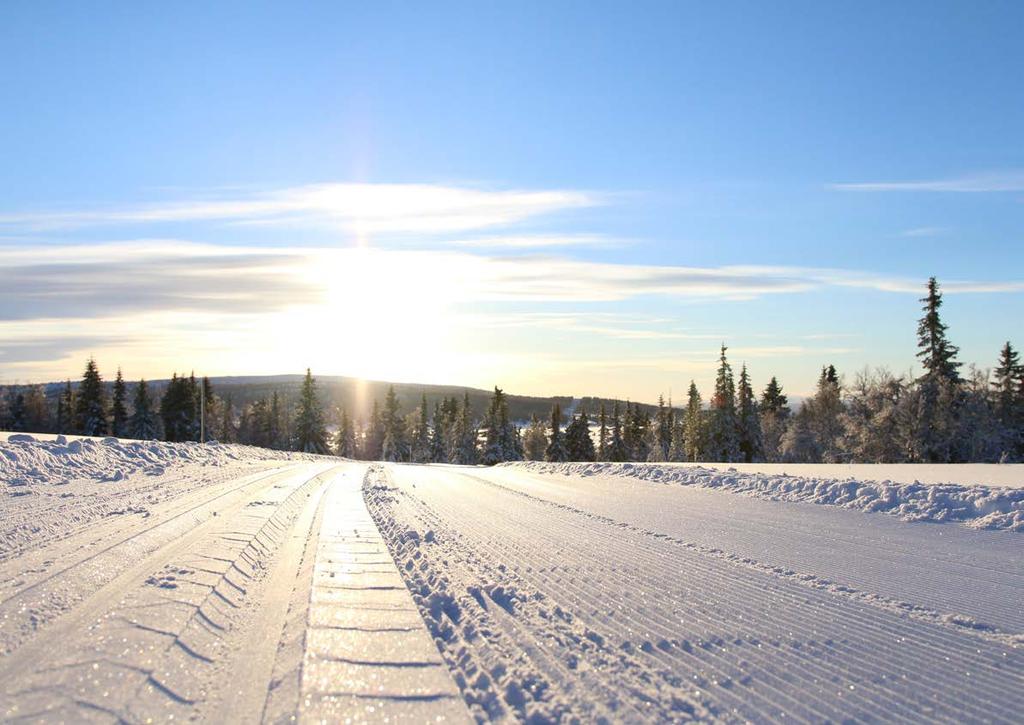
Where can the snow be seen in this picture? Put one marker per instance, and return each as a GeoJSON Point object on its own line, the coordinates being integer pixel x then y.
{"type": "Point", "coordinates": [143, 580]}
{"type": "Point", "coordinates": [559, 596]}
{"type": "Point", "coordinates": [977, 505]}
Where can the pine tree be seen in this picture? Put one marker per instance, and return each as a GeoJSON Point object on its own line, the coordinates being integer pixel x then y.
{"type": "Point", "coordinates": [694, 433]}
{"type": "Point", "coordinates": [723, 443]}
{"type": "Point", "coordinates": [466, 435]}
{"type": "Point", "coordinates": [373, 441]}
{"type": "Point", "coordinates": [556, 451]}
{"type": "Point", "coordinates": [142, 424]}
{"type": "Point", "coordinates": [226, 429]}
{"type": "Point", "coordinates": [824, 413]}
{"type": "Point", "coordinates": [118, 410]}
{"type": "Point", "coordinates": [750, 440]}
{"type": "Point", "coordinates": [346, 441]}
{"type": "Point", "coordinates": [396, 445]}
{"type": "Point", "coordinates": [799, 444]}
{"type": "Point", "coordinates": [1008, 400]}
{"type": "Point", "coordinates": [501, 438]}
{"type": "Point", "coordinates": [677, 448]}
{"type": "Point", "coordinates": [421, 435]}
{"type": "Point", "coordinates": [617, 452]}
{"type": "Point", "coordinates": [91, 405]}
{"type": "Point", "coordinates": [664, 421]}
{"type": "Point", "coordinates": [535, 440]}
{"type": "Point", "coordinates": [937, 353]}
{"type": "Point", "coordinates": [579, 445]}
{"type": "Point", "coordinates": [310, 432]}
{"type": "Point", "coordinates": [774, 412]}
{"type": "Point", "coordinates": [66, 410]}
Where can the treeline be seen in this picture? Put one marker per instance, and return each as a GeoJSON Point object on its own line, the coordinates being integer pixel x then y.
{"type": "Point", "coordinates": [878, 417]}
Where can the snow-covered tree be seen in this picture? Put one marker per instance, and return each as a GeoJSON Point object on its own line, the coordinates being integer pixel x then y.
{"type": "Point", "coordinates": [465, 435]}
{"type": "Point", "coordinates": [653, 445]}
{"type": "Point", "coordinates": [602, 435]}
{"type": "Point", "coordinates": [310, 431]}
{"type": "Point", "coordinates": [119, 408]}
{"type": "Point", "coordinates": [617, 451]}
{"type": "Point", "coordinates": [825, 412]}
{"type": "Point", "coordinates": [1008, 401]}
{"type": "Point", "coordinates": [723, 428]}
{"type": "Point", "coordinates": [226, 432]}
{"type": "Point", "coordinates": [345, 442]}
{"type": "Point", "coordinates": [501, 439]}
{"type": "Point", "coordinates": [556, 451]}
{"type": "Point", "coordinates": [373, 438]}
{"type": "Point", "coordinates": [578, 444]}
{"type": "Point", "coordinates": [663, 423]}
{"type": "Point", "coordinates": [750, 439]}
{"type": "Point", "coordinates": [872, 420]}
{"type": "Point", "coordinates": [677, 448]}
{"type": "Point", "coordinates": [694, 429]}
{"type": "Point", "coordinates": [66, 410]}
{"type": "Point", "coordinates": [91, 403]}
{"type": "Point", "coordinates": [420, 449]}
{"type": "Point", "coordinates": [535, 440]}
{"type": "Point", "coordinates": [143, 423]}
{"type": "Point", "coordinates": [799, 444]}
{"type": "Point", "coordinates": [774, 414]}
{"type": "Point", "coordinates": [396, 443]}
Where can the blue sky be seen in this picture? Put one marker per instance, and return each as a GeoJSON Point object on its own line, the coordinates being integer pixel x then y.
{"type": "Point", "coordinates": [555, 197]}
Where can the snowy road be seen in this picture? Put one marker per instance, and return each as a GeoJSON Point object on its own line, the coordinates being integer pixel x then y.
{"type": "Point", "coordinates": [234, 587]}
{"type": "Point", "coordinates": [555, 595]}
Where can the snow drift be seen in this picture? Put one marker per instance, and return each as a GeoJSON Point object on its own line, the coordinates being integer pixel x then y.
{"type": "Point", "coordinates": [24, 460]}
{"type": "Point", "coordinates": [978, 506]}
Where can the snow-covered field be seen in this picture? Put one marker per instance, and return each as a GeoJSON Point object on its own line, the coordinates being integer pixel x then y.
{"type": "Point", "coordinates": [143, 581]}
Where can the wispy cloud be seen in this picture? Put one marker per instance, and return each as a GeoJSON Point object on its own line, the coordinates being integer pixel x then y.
{"type": "Point", "coordinates": [361, 208]}
{"type": "Point", "coordinates": [536, 241]}
{"type": "Point", "coordinates": [975, 183]}
{"type": "Point", "coordinates": [94, 281]}
{"type": "Point", "coordinates": [917, 232]}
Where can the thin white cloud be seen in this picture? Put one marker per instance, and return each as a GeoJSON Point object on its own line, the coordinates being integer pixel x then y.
{"type": "Point", "coordinates": [971, 184]}
{"type": "Point", "coordinates": [536, 241]}
{"type": "Point", "coordinates": [359, 208]}
{"type": "Point", "coordinates": [923, 232]}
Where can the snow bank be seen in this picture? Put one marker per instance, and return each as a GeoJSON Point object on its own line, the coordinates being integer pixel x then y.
{"type": "Point", "coordinates": [24, 460]}
{"type": "Point", "coordinates": [978, 506]}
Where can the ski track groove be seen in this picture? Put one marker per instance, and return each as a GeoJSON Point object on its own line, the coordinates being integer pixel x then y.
{"type": "Point", "coordinates": [186, 638]}
{"type": "Point", "coordinates": [874, 631]}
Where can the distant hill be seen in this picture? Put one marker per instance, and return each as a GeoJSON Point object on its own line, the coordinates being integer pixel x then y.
{"type": "Point", "coordinates": [356, 396]}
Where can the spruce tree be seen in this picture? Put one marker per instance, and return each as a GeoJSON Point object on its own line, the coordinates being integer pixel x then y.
{"type": "Point", "coordinates": [501, 438]}
{"type": "Point", "coordinates": [664, 421]}
{"type": "Point", "coordinates": [1008, 400]}
{"type": "Point", "coordinates": [723, 443]}
{"type": "Point", "coordinates": [824, 416]}
{"type": "Point", "coordinates": [556, 451]}
{"type": "Point", "coordinates": [396, 444]}
{"type": "Point", "coordinates": [578, 444]}
{"type": "Point", "coordinates": [91, 405]}
{"type": "Point", "coordinates": [617, 451]}
{"type": "Point", "coordinates": [694, 433]}
{"type": "Point", "coordinates": [677, 448]}
{"type": "Point", "coordinates": [773, 400]}
{"type": "Point", "coordinates": [937, 353]}
{"type": "Point", "coordinates": [602, 435]}
{"type": "Point", "coordinates": [421, 435]}
{"type": "Point", "coordinates": [66, 410]}
{"type": "Point", "coordinates": [118, 410]}
{"type": "Point", "coordinates": [439, 435]}
{"type": "Point", "coordinates": [142, 424]}
{"type": "Point", "coordinates": [310, 432]}
{"type": "Point", "coordinates": [749, 420]}
{"type": "Point", "coordinates": [373, 441]}
{"type": "Point", "coordinates": [345, 445]}
{"type": "Point", "coordinates": [466, 435]}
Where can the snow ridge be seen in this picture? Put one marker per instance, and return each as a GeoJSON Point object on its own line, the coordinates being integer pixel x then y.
{"type": "Point", "coordinates": [24, 460]}
{"type": "Point", "coordinates": [977, 506]}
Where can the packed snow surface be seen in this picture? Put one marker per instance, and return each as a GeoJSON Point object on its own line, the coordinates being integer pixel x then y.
{"type": "Point", "coordinates": [612, 598]}
{"type": "Point", "coordinates": [977, 505]}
